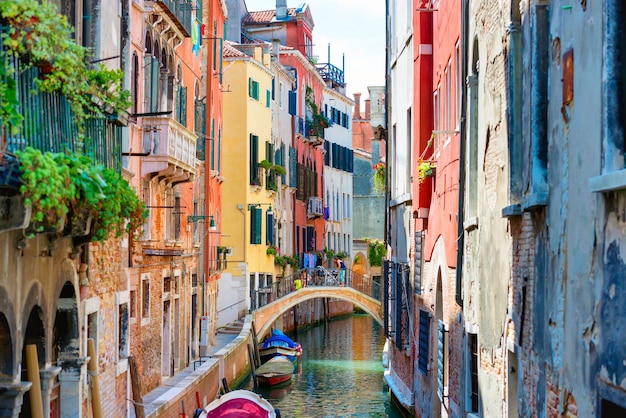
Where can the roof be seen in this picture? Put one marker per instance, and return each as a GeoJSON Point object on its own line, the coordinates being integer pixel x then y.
{"type": "Point", "coordinates": [266, 16]}
{"type": "Point", "coordinates": [229, 51]}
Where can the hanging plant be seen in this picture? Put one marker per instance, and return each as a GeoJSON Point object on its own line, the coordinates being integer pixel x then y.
{"type": "Point", "coordinates": [425, 169]}
{"type": "Point", "coordinates": [55, 184]}
{"type": "Point", "coordinates": [271, 250]}
{"type": "Point", "coordinates": [317, 122]}
{"type": "Point", "coordinates": [379, 177]}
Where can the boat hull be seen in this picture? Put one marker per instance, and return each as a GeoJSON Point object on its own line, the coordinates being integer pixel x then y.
{"type": "Point", "coordinates": [277, 370]}
{"type": "Point", "coordinates": [239, 404]}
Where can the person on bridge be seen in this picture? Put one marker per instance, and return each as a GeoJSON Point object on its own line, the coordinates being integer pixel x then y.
{"type": "Point", "coordinates": [342, 271]}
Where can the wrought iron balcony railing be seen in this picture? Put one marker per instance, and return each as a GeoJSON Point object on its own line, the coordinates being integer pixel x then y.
{"type": "Point", "coordinates": [49, 124]}
{"type": "Point", "coordinates": [331, 73]}
{"type": "Point", "coordinates": [180, 12]}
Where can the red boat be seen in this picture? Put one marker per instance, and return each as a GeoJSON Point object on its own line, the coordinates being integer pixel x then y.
{"type": "Point", "coordinates": [276, 370]}
{"type": "Point", "coordinates": [239, 404]}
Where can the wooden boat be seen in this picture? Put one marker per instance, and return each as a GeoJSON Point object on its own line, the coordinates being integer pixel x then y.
{"type": "Point", "coordinates": [239, 404]}
{"type": "Point", "coordinates": [279, 345]}
{"type": "Point", "coordinates": [276, 370]}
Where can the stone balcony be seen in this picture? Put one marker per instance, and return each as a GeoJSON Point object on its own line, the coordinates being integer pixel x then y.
{"type": "Point", "coordinates": [170, 149]}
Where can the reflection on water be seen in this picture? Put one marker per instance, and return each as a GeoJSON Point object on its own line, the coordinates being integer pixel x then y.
{"type": "Point", "coordinates": [340, 373]}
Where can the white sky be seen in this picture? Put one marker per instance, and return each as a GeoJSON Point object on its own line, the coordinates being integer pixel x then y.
{"type": "Point", "coordinates": [355, 28]}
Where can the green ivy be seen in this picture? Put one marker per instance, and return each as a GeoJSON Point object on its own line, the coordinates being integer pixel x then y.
{"type": "Point", "coordinates": [55, 184]}
{"type": "Point", "coordinates": [376, 252]}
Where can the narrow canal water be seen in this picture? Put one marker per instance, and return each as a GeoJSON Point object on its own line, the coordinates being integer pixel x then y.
{"type": "Point", "coordinates": [340, 373]}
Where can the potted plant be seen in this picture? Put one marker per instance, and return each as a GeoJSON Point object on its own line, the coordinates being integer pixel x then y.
{"type": "Point", "coordinates": [379, 177]}
{"type": "Point", "coordinates": [426, 169]}
{"type": "Point", "coordinates": [316, 121]}
{"type": "Point", "coordinates": [271, 250]}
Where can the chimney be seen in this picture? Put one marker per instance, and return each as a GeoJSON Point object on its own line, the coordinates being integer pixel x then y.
{"type": "Point", "coordinates": [276, 47]}
{"type": "Point", "coordinates": [357, 106]}
{"type": "Point", "coordinates": [281, 9]}
{"type": "Point", "coordinates": [367, 109]}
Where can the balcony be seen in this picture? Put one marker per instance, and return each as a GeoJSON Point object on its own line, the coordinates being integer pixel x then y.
{"type": "Point", "coordinates": [304, 128]}
{"type": "Point", "coordinates": [49, 125]}
{"type": "Point", "coordinates": [170, 149]}
{"type": "Point", "coordinates": [331, 74]}
{"type": "Point", "coordinates": [178, 12]}
{"type": "Point", "coordinates": [315, 207]}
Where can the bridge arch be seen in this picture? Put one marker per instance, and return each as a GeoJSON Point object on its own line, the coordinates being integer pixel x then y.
{"type": "Point", "coordinates": [264, 317]}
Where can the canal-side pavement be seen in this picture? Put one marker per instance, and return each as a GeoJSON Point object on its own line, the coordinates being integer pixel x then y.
{"type": "Point", "coordinates": [171, 388]}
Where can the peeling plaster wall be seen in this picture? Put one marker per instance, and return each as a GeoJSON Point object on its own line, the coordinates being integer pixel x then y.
{"type": "Point", "coordinates": [488, 259]}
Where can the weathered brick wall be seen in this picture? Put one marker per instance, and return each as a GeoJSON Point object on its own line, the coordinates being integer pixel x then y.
{"type": "Point", "coordinates": [106, 278]}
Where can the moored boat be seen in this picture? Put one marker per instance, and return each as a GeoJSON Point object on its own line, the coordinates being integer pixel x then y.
{"type": "Point", "coordinates": [239, 404]}
{"type": "Point", "coordinates": [276, 370]}
{"type": "Point", "coordinates": [278, 344]}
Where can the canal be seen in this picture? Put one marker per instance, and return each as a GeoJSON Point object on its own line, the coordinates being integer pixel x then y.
{"type": "Point", "coordinates": [340, 373]}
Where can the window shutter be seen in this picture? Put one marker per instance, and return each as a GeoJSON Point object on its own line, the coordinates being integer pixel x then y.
{"type": "Point", "coordinates": [154, 85]}
{"type": "Point", "coordinates": [200, 129]}
{"type": "Point", "coordinates": [181, 105]}
{"type": "Point", "coordinates": [254, 159]}
{"type": "Point", "coordinates": [147, 84]}
{"type": "Point", "coordinates": [267, 97]}
{"type": "Point", "coordinates": [424, 342]}
{"type": "Point", "coordinates": [255, 225]}
{"type": "Point", "coordinates": [219, 149]}
{"type": "Point", "coordinates": [292, 102]}
{"type": "Point", "coordinates": [441, 352]}
{"type": "Point", "coordinates": [269, 228]}
{"type": "Point", "coordinates": [273, 89]}
{"type": "Point", "coordinates": [327, 154]}
{"type": "Point", "coordinates": [255, 90]}
{"type": "Point", "coordinates": [212, 145]}
{"type": "Point", "coordinates": [250, 87]}
{"type": "Point", "coordinates": [293, 162]}
{"type": "Point", "coordinates": [417, 267]}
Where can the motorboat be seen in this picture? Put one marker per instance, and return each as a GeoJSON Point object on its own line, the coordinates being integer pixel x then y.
{"type": "Point", "coordinates": [239, 404]}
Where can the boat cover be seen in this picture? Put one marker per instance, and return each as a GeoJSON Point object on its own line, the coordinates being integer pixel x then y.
{"type": "Point", "coordinates": [278, 339]}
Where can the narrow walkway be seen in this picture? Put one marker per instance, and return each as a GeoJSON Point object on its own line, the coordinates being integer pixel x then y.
{"type": "Point", "coordinates": [182, 379]}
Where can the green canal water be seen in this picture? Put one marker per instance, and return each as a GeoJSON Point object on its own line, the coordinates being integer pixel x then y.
{"type": "Point", "coordinates": [340, 373]}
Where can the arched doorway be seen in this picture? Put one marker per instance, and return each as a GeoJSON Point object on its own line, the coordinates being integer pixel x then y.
{"type": "Point", "coordinates": [66, 339]}
{"type": "Point", "coordinates": [34, 334]}
{"type": "Point", "coordinates": [6, 349]}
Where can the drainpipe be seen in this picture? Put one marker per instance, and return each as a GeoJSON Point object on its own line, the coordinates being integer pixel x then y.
{"type": "Point", "coordinates": [462, 151]}
{"type": "Point", "coordinates": [387, 235]}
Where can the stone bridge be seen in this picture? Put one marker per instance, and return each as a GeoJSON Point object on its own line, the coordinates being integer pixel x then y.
{"type": "Point", "coordinates": [358, 290]}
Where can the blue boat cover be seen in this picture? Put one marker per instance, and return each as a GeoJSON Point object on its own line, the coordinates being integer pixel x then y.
{"type": "Point", "coordinates": [278, 339]}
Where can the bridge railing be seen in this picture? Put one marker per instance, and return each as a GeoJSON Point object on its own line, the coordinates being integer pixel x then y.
{"type": "Point", "coordinates": [318, 276]}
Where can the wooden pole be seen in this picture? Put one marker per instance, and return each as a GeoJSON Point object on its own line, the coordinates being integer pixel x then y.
{"type": "Point", "coordinates": [32, 370]}
{"type": "Point", "coordinates": [95, 384]}
{"type": "Point", "coordinates": [136, 384]}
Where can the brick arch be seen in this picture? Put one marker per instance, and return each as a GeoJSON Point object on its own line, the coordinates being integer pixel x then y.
{"type": "Point", "coordinates": [35, 299]}
{"type": "Point", "coordinates": [266, 316]}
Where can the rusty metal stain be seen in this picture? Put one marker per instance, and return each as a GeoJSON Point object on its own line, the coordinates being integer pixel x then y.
{"type": "Point", "coordinates": [568, 76]}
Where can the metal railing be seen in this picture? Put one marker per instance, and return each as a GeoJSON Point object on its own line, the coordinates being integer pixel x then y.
{"type": "Point", "coordinates": [317, 277]}
{"type": "Point", "coordinates": [49, 123]}
{"type": "Point", "coordinates": [331, 73]}
{"type": "Point", "coordinates": [181, 10]}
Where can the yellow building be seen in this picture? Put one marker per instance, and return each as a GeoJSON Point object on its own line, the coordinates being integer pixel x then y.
{"type": "Point", "coordinates": [249, 189]}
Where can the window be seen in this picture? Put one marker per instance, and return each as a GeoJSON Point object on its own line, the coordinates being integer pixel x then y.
{"type": "Point", "coordinates": [472, 341]}
{"type": "Point", "coordinates": [442, 359]}
{"type": "Point", "coordinates": [254, 160]}
{"type": "Point", "coordinates": [255, 225]}
{"type": "Point", "coordinates": [457, 83]}
{"type": "Point", "coordinates": [177, 213]}
{"type": "Point", "coordinates": [424, 342]}
{"type": "Point", "coordinates": [145, 296]}
{"type": "Point", "coordinates": [181, 105]}
{"type": "Point", "coordinates": [134, 83]}
{"type": "Point", "coordinates": [448, 110]}
{"type": "Point", "coordinates": [253, 88]}
{"type": "Point", "coordinates": [122, 331]}
{"type": "Point", "coordinates": [269, 228]}
{"type": "Point", "coordinates": [268, 95]}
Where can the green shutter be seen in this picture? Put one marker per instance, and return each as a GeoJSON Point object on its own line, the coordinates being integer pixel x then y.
{"type": "Point", "coordinates": [254, 159]}
{"type": "Point", "coordinates": [267, 98]}
{"type": "Point", "coordinates": [250, 87]}
{"type": "Point", "coordinates": [212, 160]}
{"type": "Point", "coordinates": [154, 84]}
{"type": "Point", "coordinates": [255, 225]}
